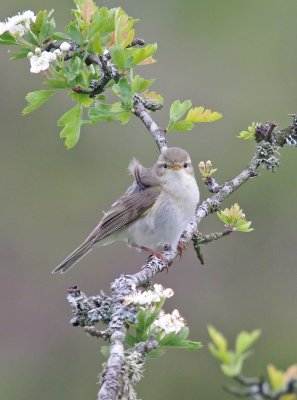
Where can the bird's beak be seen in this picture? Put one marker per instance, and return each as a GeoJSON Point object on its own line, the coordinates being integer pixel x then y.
{"type": "Point", "coordinates": [175, 167]}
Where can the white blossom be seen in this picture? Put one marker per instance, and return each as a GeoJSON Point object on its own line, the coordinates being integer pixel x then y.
{"type": "Point", "coordinates": [65, 46]}
{"type": "Point", "coordinates": [57, 52]}
{"type": "Point", "coordinates": [149, 297]}
{"type": "Point", "coordinates": [167, 323]}
{"type": "Point", "coordinates": [42, 62]}
{"type": "Point", "coordinates": [37, 51]}
{"type": "Point", "coordinates": [18, 24]}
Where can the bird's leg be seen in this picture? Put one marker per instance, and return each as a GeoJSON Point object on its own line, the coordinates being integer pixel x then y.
{"type": "Point", "coordinates": [181, 247]}
{"type": "Point", "coordinates": [154, 253]}
{"type": "Point", "coordinates": [157, 254]}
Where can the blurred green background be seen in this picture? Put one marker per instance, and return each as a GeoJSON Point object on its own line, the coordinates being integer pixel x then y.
{"type": "Point", "coordinates": [236, 57]}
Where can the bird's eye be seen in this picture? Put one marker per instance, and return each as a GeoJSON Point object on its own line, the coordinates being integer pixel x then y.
{"type": "Point", "coordinates": [186, 165]}
{"type": "Point", "coordinates": [165, 165]}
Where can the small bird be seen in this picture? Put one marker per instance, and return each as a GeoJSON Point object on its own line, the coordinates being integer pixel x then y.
{"type": "Point", "coordinates": [154, 211]}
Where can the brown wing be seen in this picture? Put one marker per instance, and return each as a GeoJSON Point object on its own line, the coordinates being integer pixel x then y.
{"type": "Point", "coordinates": [127, 209]}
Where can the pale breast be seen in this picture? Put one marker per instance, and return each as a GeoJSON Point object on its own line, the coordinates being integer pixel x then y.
{"type": "Point", "coordinates": [164, 224]}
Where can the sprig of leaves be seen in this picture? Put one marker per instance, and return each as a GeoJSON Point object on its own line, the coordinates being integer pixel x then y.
{"type": "Point", "coordinates": [234, 219]}
{"type": "Point", "coordinates": [232, 360]}
{"type": "Point", "coordinates": [250, 133]}
{"type": "Point", "coordinates": [194, 115]}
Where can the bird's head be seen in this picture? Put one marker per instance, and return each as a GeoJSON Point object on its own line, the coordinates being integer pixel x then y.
{"type": "Point", "coordinates": [174, 164]}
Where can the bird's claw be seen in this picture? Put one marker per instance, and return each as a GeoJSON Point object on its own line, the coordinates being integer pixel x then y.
{"type": "Point", "coordinates": [181, 247]}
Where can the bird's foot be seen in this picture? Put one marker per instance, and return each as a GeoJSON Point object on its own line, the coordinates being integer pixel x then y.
{"type": "Point", "coordinates": [181, 247]}
{"type": "Point", "coordinates": [158, 255]}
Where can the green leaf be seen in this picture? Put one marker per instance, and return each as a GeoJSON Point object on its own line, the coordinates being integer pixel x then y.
{"type": "Point", "coordinates": [56, 83]}
{"type": "Point", "coordinates": [181, 126]}
{"type": "Point", "coordinates": [200, 114]}
{"type": "Point", "coordinates": [74, 32]}
{"type": "Point", "coordinates": [142, 54]}
{"type": "Point", "coordinates": [175, 339]}
{"type": "Point", "coordinates": [277, 378]}
{"type": "Point", "coordinates": [123, 32]}
{"type": "Point", "coordinates": [140, 84]}
{"type": "Point", "coordinates": [36, 99]}
{"type": "Point", "coordinates": [250, 133]}
{"type": "Point", "coordinates": [153, 97]}
{"type": "Point", "coordinates": [60, 36]}
{"type": "Point", "coordinates": [71, 121]}
{"type": "Point", "coordinates": [83, 99]}
{"type": "Point", "coordinates": [102, 22]}
{"type": "Point", "coordinates": [245, 340]}
{"type": "Point", "coordinates": [7, 39]}
{"type": "Point", "coordinates": [109, 112]}
{"type": "Point", "coordinates": [124, 91]}
{"type": "Point", "coordinates": [118, 56]}
{"type": "Point", "coordinates": [177, 110]}
{"type": "Point", "coordinates": [218, 339]}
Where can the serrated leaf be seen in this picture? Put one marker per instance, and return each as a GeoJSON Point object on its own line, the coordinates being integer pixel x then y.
{"type": "Point", "coordinates": [71, 121]}
{"type": "Point", "coordinates": [178, 109]}
{"type": "Point", "coordinates": [56, 83]}
{"type": "Point", "coordinates": [109, 112]}
{"type": "Point", "coordinates": [153, 96]}
{"type": "Point", "coordinates": [217, 337]}
{"type": "Point", "coordinates": [7, 39]}
{"type": "Point", "coordinates": [36, 99]}
{"type": "Point", "coordinates": [83, 99]}
{"type": "Point", "coordinates": [123, 32]}
{"type": "Point", "coordinates": [103, 22]}
{"type": "Point", "coordinates": [124, 91]}
{"type": "Point", "coordinates": [118, 56]}
{"type": "Point", "coordinates": [139, 55]}
{"type": "Point", "coordinates": [250, 133]}
{"type": "Point", "coordinates": [245, 340]}
{"type": "Point", "coordinates": [140, 84]}
{"type": "Point", "coordinates": [181, 126]}
{"type": "Point", "coordinates": [200, 114]}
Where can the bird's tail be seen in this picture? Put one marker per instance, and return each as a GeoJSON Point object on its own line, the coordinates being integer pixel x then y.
{"type": "Point", "coordinates": [74, 257]}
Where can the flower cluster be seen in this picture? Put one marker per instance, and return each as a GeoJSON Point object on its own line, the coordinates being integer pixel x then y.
{"type": "Point", "coordinates": [167, 323]}
{"type": "Point", "coordinates": [18, 24]}
{"type": "Point", "coordinates": [41, 60]}
{"type": "Point", "coordinates": [149, 297]}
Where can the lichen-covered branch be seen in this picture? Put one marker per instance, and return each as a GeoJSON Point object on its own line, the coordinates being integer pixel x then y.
{"type": "Point", "coordinates": [112, 310]}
